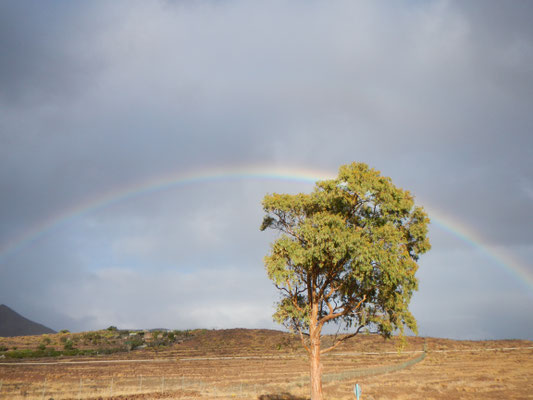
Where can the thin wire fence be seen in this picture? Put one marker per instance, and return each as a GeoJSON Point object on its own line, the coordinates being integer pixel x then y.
{"type": "Point", "coordinates": [175, 387]}
{"type": "Point", "coordinates": [182, 387]}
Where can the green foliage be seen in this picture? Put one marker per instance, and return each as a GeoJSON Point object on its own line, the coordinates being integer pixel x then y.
{"type": "Point", "coordinates": [108, 342]}
{"type": "Point", "coordinates": [347, 253]}
{"type": "Point", "coordinates": [76, 352]}
{"type": "Point", "coordinates": [64, 331]}
{"type": "Point", "coordinates": [107, 350]}
{"type": "Point", "coordinates": [159, 339]}
{"type": "Point", "coordinates": [112, 328]}
{"type": "Point", "coordinates": [50, 352]}
{"type": "Point", "coordinates": [92, 337]}
{"type": "Point", "coordinates": [167, 338]}
{"type": "Point", "coordinates": [186, 333]}
{"type": "Point", "coordinates": [28, 353]}
{"type": "Point", "coordinates": [69, 345]}
{"type": "Point", "coordinates": [134, 342]}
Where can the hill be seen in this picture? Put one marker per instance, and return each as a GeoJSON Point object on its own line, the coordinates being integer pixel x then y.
{"type": "Point", "coordinates": [14, 324]}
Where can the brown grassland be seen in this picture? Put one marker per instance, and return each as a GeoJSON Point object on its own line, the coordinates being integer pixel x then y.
{"type": "Point", "coordinates": [271, 365]}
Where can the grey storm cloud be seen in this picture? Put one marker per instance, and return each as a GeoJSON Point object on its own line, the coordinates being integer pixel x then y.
{"type": "Point", "coordinates": [95, 96]}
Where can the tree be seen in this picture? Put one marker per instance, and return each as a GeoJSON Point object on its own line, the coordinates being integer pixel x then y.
{"type": "Point", "coordinates": [347, 254]}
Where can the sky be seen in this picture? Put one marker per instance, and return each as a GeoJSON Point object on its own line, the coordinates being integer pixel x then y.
{"type": "Point", "coordinates": [138, 138]}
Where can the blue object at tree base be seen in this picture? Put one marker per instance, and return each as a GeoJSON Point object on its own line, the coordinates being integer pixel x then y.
{"type": "Point", "coordinates": [357, 391]}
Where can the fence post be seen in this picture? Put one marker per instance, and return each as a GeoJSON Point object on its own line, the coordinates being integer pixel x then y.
{"type": "Point", "coordinates": [141, 383]}
{"type": "Point", "coordinates": [163, 384]}
{"type": "Point", "coordinates": [111, 387]}
{"type": "Point", "coordinates": [79, 390]}
{"type": "Point", "coordinates": [182, 378]}
{"type": "Point", "coordinates": [44, 388]}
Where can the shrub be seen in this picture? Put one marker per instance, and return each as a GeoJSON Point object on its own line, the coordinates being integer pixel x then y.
{"type": "Point", "coordinates": [71, 352]}
{"type": "Point", "coordinates": [92, 337]}
{"type": "Point", "coordinates": [134, 342]}
{"type": "Point", "coordinates": [26, 353]}
{"type": "Point", "coordinates": [109, 350]}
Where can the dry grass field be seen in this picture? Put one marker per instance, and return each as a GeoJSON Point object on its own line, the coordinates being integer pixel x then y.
{"type": "Point", "coordinates": [271, 365]}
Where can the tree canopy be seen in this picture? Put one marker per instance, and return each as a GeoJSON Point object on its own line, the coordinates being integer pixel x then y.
{"type": "Point", "coordinates": [347, 253]}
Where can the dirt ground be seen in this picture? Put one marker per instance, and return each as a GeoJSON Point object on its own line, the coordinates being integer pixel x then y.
{"type": "Point", "coordinates": [271, 365]}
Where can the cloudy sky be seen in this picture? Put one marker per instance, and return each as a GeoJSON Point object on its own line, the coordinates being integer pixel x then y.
{"type": "Point", "coordinates": [100, 102]}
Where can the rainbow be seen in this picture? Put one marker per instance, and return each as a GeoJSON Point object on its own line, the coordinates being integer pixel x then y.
{"type": "Point", "coordinates": [501, 257]}
{"type": "Point", "coordinates": [302, 175]}
{"type": "Point", "coordinates": [153, 185]}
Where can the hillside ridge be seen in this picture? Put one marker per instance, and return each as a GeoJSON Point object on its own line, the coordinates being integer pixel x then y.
{"type": "Point", "coordinates": [14, 324]}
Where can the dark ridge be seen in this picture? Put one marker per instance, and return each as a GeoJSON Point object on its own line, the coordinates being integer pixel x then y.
{"type": "Point", "coordinates": [14, 324]}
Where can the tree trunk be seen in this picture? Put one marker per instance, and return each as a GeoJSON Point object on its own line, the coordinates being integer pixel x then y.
{"type": "Point", "coordinates": [316, 369]}
{"type": "Point", "coordinates": [314, 356]}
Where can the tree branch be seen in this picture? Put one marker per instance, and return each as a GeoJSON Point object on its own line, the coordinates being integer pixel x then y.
{"type": "Point", "coordinates": [287, 228]}
{"type": "Point", "coordinates": [283, 289]}
{"type": "Point", "coordinates": [338, 342]}
{"type": "Point", "coordinates": [303, 339]}
{"type": "Point", "coordinates": [330, 276]}
{"type": "Point", "coordinates": [333, 315]}
{"type": "Point", "coordinates": [332, 290]}
{"type": "Point", "coordinates": [294, 297]}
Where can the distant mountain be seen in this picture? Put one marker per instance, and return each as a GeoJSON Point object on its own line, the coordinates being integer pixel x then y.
{"type": "Point", "coordinates": [14, 324]}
